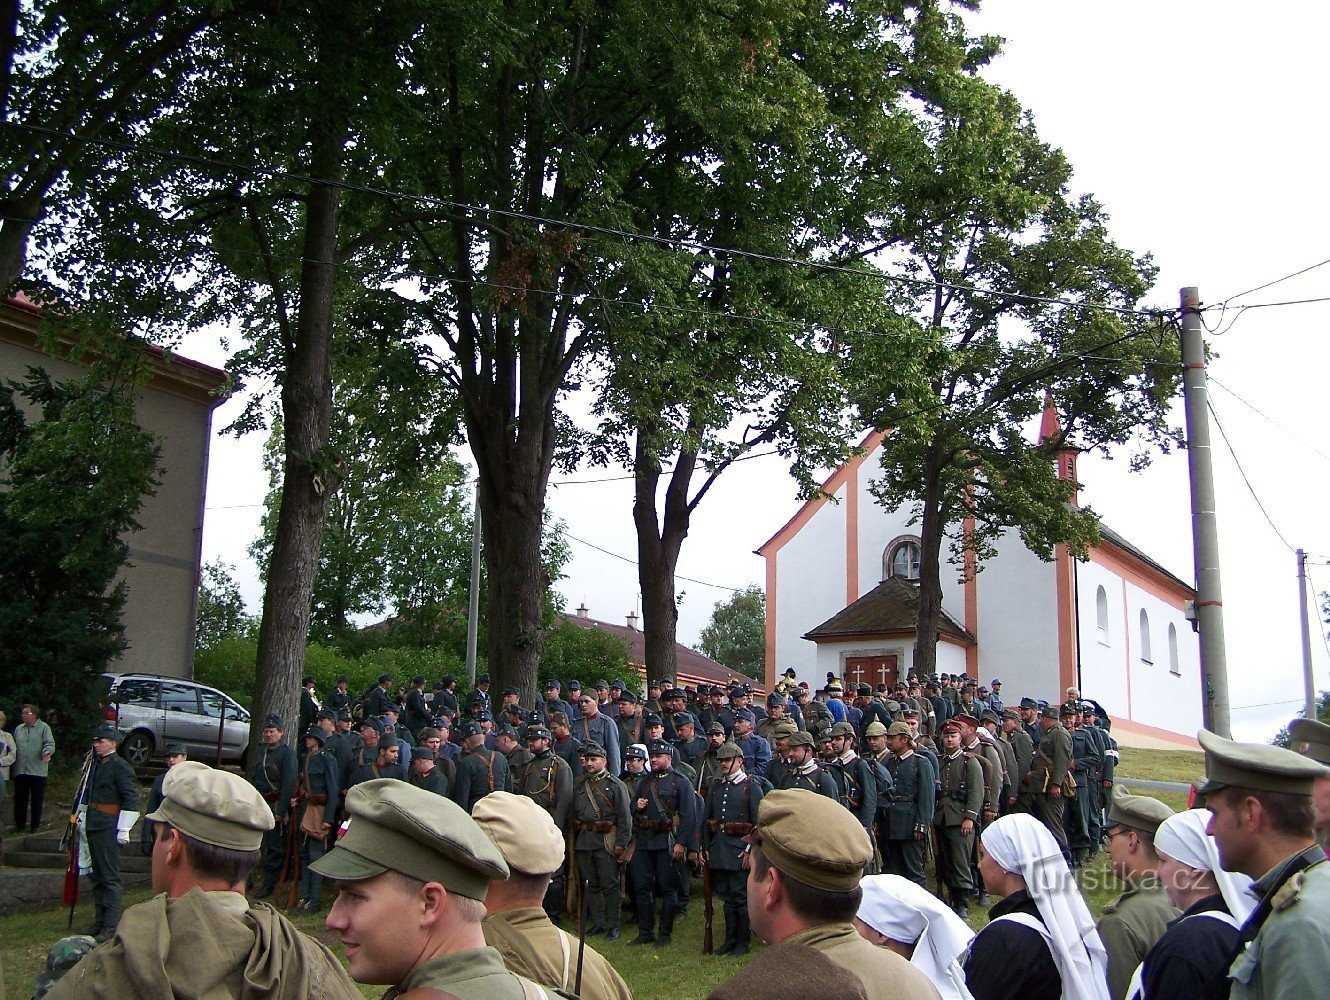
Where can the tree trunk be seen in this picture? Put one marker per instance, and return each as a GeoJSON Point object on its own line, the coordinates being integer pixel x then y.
{"type": "Point", "coordinates": [658, 544]}
{"type": "Point", "coordinates": [307, 477]}
{"type": "Point", "coordinates": [514, 473]}
{"type": "Point", "coordinates": [933, 524]}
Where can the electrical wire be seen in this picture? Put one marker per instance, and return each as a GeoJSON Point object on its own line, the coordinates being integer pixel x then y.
{"type": "Point", "coordinates": [664, 469]}
{"type": "Point", "coordinates": [1276, 281]}
{"type": "Point", "coordinates": [1267, 704]}
{"type": "Point", "coordinates": [633, 562]}
{"type": "Point", "coordinates": [1289, 302]}
{"type": "Point", "coordinates": [1320, 622]}
{"type": "Point", "coordinates": [1243, 472]}
{"type": "Point", "coordinates": [693, 246]}
{"type": "Point", "coordinates": [1271, 420]}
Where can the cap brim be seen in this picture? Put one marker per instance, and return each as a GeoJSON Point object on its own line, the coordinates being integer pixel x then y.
{"type": "Point", "coordinates": [1209, 786]}
{"type": "Point", "coordinates": [346, 866]}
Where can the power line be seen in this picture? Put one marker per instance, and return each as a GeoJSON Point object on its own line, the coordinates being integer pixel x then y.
{"type": "Point", "coordinates": [664, 469]}
{"type": "Point", "coordinates": [633, 562]}
{"type": "Point", "coordinates": [690, 245]}
{"type": "Point", "coordinates": [1270, 419]}
{"type": "Point", "coordinates": [1320, 623]}
{"type": "Point", "coordinates": [1290, 302]}
{"type": "Point", "coordinates": [1267, 704]}
{"type": "Point", "coordinates": [1276, 281]}
{"type": "Point", "coordinates": [1242, 472]}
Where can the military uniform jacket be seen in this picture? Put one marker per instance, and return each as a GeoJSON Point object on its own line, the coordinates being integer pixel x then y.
{"type": "Point", "coordinates": [1034, 731]}
{"type": "Point", "coordinates": [1051, 761]}
{"type": "Point", "coordinates": [336, 699]}
{"type": "Point", "coordinates": [416, 715]}
{"type": "Point", "coordinates": [601, 800]}
{"type": "Point", "coordinates": [857, 787]}
{"type": "Point", "coordinates": [1129, 926]}
{"type": "Point", "coordinates": [474, 974]}
{"type": "Point", "coordinates": [549, 781]}
{"type": "Point", "coordinates": [708, 770]}
{"type": "Point", "coordinates": [349, 754]}
{"type": "Point", "coordinates": [1291, 952]}
{"type": "Point", "coordinates": [434, 780]}
{"type": "Point", "coordinates": [816, 780]}
{"type": "Point", "coordinates": [632, 730]}
{"type": "Point", "coordinates": [757, 754]}
{"type": "Point", "coordinates": [961, 790]}
{"type": "Point", "coordinates": [273, 773]}
{"type": "Point", "coordinates": [477, 701]}
{"type": "Point", "coordinates": [690, 752]}
{"type": "Point", "coordinates": [478, 773]}
{"type": "Point", "coordinates": [111, 784]}
{"type": "Point", "coordinates": [1022, 749]}
{"type": "Point", "coordinates": [532, 946]}
{"type": "Point", "coordinates": [1010, 767]}
{"type": "Point", "coordinates": [377, 701]}
{"type": "Point", "coordinates": [912, 799]}
{"type": "Point", "coordinates": [571, 752]}
{"type": "Point", "coordinates": [318, 776]}
{"type": "Point", "coordinates": [1086, 761]}
{"type": "Point", "coordinates": [368, 772]}
{"type": "Point", "coordinates": [546, 707]}
{"type": "Point", "coordinates": [667, 796]}
{"type": "Point", "coordinates": [729, 802]}
{"type": "Point", "coordinates": [817, 717]}
{"type": "Point", "coordinates": [603, 730]}
{"type": "Point", "coordinates": [991, 764]}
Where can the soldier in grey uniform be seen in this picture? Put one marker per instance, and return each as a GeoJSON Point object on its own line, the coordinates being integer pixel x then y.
{"type": "Point", "coordinates": [728, 817]}
{"type": "Point", "coordinates": [273, 775]}
{"type": "Point", "coordinates": [956, 816]}
{"type": "Point", "coordinates": [479, 770]}
{"type": "Point", "coordinates": [708, 765]}
{"type": "Point", "coordinates": [427, 772]}
{"type": "Point", "coordinates": [665, 816]}
{"type": "Point", "coordinates": [548, 780]}
{"type": "Point", "coordinates": [1263, 823]}
{"type": "Point", "coordinates": [802, 770]}
{"type": "Point", "coordinates": [854, 776]}
{"type": "Point", "coordinates": [112, 800]}
{"type": "Point", "coordinates": [315, 809]}
{"type": "Point", "coordinates": [1049, 777]}
{"type": "Point", "coordinates": [602, 824]}
{"type": "Point", "coordinates": [903, 823]}
{"type": "Point", "coordinates": [1022, 750]}
{"type": "Point", "coordinates": [1085, 768]}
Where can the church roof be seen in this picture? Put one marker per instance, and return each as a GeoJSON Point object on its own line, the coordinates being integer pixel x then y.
{"type": "Point", "coordinates": [891, 606]}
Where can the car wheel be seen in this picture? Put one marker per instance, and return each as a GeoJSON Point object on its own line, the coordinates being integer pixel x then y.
{"type": "Point", "coordinates": [137, 749]}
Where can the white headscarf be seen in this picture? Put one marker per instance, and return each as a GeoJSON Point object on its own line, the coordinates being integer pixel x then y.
{"type": "Point", "coordinates": [899, 909]}
{"type": "Point", "coordinates": [1020, 844]}
{"type": "Point", "coordinates": [1183, 838]}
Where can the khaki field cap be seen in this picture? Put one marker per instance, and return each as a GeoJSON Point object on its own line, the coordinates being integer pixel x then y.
{"type": "Point", "coordinates": [1140, 812]}
{"type": "Point", "coordinates": [215, 807]}
{"type": "Point", "coordinates": [898, 729]}
{"type": "Point", "coordinates": [842, 729]}
{"type": "Point", "coordinates": [812, 838]}
{"type": "Point", "coordinates": [801, 739]}
{"type": "Point", "coordinates": [1311, 739]}
{"type": "Point", "coordinates": [728, 751]}
{"type": "Point", "coordinates": [399, 827]}
{"type": "Point", "coordinates": [875, 728]}
{"type": "Point", "coordinates": [1257, 766]}
{"type": "Point", "coordinates": [523, 832]}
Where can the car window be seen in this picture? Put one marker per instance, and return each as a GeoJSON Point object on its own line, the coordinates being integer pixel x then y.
{"type": "Point", "coordinates": [180, 698]}
{"type": "Point", "coordinates": [212, 703]}
{"type": "Point", "coordinates": [140, 693]}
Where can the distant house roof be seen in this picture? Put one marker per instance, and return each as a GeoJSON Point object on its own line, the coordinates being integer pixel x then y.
{"type": "Point", "coordinates": [692, 667]}
{"type": "Point", "coordinates": [889, 608]}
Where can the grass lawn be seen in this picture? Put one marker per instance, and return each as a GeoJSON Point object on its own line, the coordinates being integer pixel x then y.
{"type": "Point", "coordinates": [1160, 765]}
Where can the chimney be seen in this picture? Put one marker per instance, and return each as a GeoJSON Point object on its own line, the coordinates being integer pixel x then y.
{"type": "Point", "coordinates": [632, 620]}
{"type": "Point", "coordinates": [582, 610]}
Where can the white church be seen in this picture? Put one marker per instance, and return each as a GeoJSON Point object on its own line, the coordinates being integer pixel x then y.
{"type": "Point", "coordinates": [841, 599]}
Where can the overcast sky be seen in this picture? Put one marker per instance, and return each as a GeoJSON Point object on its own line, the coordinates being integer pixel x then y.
{"type": "Point", "coordinates": [1200, 127]}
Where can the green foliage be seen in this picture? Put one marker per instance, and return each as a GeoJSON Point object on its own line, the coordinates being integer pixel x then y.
{"type": "Point", "coordinates": [221, 610]}
{"type": "Point", "coordinates": [737, 633]}
{"type": "Point", "coordinates": [1281, 738]}
{"type": "Point", "coordinates": [76, 468]}
{"type": "Point", "coordinates": [584, 654]}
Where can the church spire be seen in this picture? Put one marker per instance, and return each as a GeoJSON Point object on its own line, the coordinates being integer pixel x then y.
{"type": "Point", "coordinates": [1050, 429]}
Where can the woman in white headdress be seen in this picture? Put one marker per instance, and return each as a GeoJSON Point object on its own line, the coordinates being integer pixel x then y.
{"type": "Point", "coordinates": [1040, 943]}
{"type": "Point", "coordinates": [906, 918]}
{"type": "Point", "coordinates": [1191, 958]}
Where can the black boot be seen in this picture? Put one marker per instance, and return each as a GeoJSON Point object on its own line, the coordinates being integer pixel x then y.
{"type": "Point", "coordinates": [666, 925]}
{"type": "Point", "coordinates": [961, 904]}
{"type": "Point", "coordinates": [731, 933]}
{"type": "Point", "coordinates": [645, 912]}
{"type": "Point", "coordinates": [744, 932]}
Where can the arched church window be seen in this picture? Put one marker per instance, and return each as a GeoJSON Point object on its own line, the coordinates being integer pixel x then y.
{"type": "Point", "coordinates": [901, 559]}
{"type": "Point", "coordinates": [1147, 655]}
{"type": "Point", "coordinates": [1101, 614]}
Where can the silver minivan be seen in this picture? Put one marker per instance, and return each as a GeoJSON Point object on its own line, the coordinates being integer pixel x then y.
{"type": "Point", "coordinates": [151, 710]}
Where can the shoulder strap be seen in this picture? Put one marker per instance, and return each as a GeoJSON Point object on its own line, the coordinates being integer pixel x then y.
{"type": "Point", "coordinates": [1025, 920]}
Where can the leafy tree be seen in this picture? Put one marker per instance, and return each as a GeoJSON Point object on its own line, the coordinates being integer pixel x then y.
{"type": "Point", "coordinates": [221, 610]}
{"type": "Point", "coordinates": [983, 218]}
{"type": "Point", "coordinates": [737, 633]}
{"type": "Point", "coordinates": [584, 654]}
{"type": "Point", "coordinates": [75, 470]}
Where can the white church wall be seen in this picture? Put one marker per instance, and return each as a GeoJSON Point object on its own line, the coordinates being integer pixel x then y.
{"type": "Point", "coordinates": [1105, 643]}
{"type": "Point", "coordinates": [810, 587]}
{"type": "Point", "coordinates": [1018, 624]}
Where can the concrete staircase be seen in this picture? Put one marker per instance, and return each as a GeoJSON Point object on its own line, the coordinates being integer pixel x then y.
{"type": "Point", "coordinates": [33, 875]}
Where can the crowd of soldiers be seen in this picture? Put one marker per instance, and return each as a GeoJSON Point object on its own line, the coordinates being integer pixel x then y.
{"type": "Point", "coordinates": [603, 798]}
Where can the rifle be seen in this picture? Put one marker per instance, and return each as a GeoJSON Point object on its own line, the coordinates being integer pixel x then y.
{"type": "Point", "coordinates": [708, 909]}
{"type": "Point", "coordinates": [581, 934]}
{"type": "Point", "coordinates": [70, 841]}
{"type": "Point", "coordinates": [573, 881]}
{"type": "Point", "coordinates": [290, 862]}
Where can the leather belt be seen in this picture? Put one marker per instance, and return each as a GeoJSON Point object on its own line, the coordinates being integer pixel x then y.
{"type": "Point", "coordinates": [106, 807]}
{"type": "Point", "coordinates": [733, 829]}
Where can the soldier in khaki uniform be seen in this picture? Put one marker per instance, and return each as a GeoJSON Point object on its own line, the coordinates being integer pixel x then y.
{"type": "Point", "coordinates": [1047, 778]}
{"type": "Point", "coordinates": [1022, 748]}
{"type": "Point", "coordinates": [959, 801]}
{"type": "Point", "coordinates": [1131, 924]}
{"type": "Point", "coordinates": [808, 854]}
{"type": "Point", "coordinates": [1312, 739]}
{"type": "Point", "coordinates": [199, 936]}
{"type": "Point", "coordinates": [408, 851]}
{"type": "Point", "coordinates": [516, 925]}
{"type": "Point", "coordinates": [602, 823]}
{"type": "Point", "coordinates": [548, 780]}
{"type": "Point", "coordinates": [1263, 824]}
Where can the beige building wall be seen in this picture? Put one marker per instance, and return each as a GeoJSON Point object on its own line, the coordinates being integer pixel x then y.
{"type": "Point", "coordinates": [162, 580]}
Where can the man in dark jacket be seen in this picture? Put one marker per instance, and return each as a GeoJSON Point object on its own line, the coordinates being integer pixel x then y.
{"type": "Point", "coordinates": [479, 770]}
{"type": "Point", "coordinates": [728, 817]}
{"type": "Point", "coordinates": [112, 800]}
{"type": "Point", "coordinates": [175, 753]}
{"type": "Point", "coordinates": [904, 821]}
{"type": "Point", "coordinates": [666, 819]}
{"type": "Point", "coordinates": [273, 773]}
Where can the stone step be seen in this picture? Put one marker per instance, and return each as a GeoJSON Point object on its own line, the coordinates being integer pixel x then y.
{"type": "Point", "coordinates": [25, 889]}
{"type": "Point", "coordinates": [55, 860]}
{"type": "Point", "coordinates": [39, 843]}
